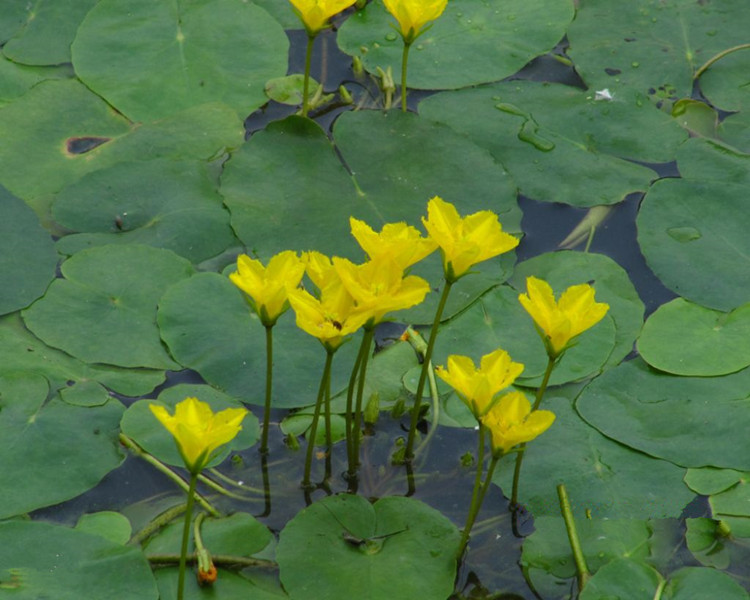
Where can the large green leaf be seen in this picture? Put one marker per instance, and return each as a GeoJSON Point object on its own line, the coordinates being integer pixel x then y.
{"type": "Point", "coordinates": [140, 424]}
{"type": "Point", "coordinates": [559, 143]}
{"type": "Point", "coordinates": [694, 237]}
{"type": "Point", "coordinates": [345, 547]}
{"type": "Point", "coordinates": [690, 421]}
{"type": "Point", "coordinates": [45, 37]}
{"type": "Point", "coordinates": [52, 451]}
{"type": "Point", "coordinates": [41, 560]}
{"type": "Point", "coordinates": [20, 351]}
{"type": "Point", "coordinates": [173, 205]}
{"type": "Point", "coordinates": [27, 255]}
{"type": "Point", "coordinates": [16, 80]}
{"type": "Point", "coordinates": [499, 39]}
{"type": "Point", "coordinates": [210, 328]}
{"type": "Point", "coordinates": [687, 339]}
{"type": "Point", "coordinates": [74, 132]}
{"type": "Point", "coordinates": [151, 59]}
{"type": "Point", "coordinates": [651, 48]}
{"type": "Point", "coordinates": [729, 499]}
{"type": "Point", "coordinates": [109, 293]}
{"type": "Point", "coordinates": [602, 476]}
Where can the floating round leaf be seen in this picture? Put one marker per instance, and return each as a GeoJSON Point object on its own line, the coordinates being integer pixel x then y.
{"type": "Point", "coordinates": [552, 137]}
{"type": "Point", "coordinates": [345, 547]}
{"type": "Point", "coordinates": [67, 448]}
{"type": "Point", "coordinates": [690, 421]}
{"type": "Point", "coordinates": [687, 339]}
{"type": "Point", "coordinates": [41, 560]}
{"type": "Point", "coordinates": [108, 524]}
{"type": "Point", "coordinates": [150, 60]}
{"type": "Point", "coordinates": [109, 293]}
{"type": "Point", "coordinates": [166, 204]}
{"type": "Point", "coordinates": [139, 423]}
{"type": "Point", "coordinates": [694, 237]}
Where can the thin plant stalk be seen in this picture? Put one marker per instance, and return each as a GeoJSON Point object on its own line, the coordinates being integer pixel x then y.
{"type": "Point", "coordinates": [366, 343]}
{"type": "Point", "coordinates": [269, 384]}
{"type": "Point", "coordinates": [575, 542]}
{"type": "Point", "coordinates": [306, 82]}
{"type": "Point", "coordinates": [404, 63]}
{"type": "Point", "coordinates": [316, 417]}
{"type": "Point", "coordinates": [186, 536]}
{"type": "Point", "coordinates": [350, 401]}
{"type": "Point", "coordinates": [409, 450]}
{"type": "Point", "coordinates": [474, 511]}
{"type": "Point", "coordinates": [522, 448]}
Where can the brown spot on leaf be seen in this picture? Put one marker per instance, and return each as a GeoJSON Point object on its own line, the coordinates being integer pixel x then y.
{"type": "Point", "coordinates": [81, 145]}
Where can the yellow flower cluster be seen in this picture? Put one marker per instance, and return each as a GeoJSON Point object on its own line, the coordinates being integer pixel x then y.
{"type": "Point", "coordinates": [356, 295]}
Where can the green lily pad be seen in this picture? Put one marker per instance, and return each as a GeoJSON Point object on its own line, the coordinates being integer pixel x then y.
{"type": "Point", "coordinates": [154, 59]}
{"type": "Point", "coordinates": [498, 320]}
{"type": "Point", "coordinates": [288, 89]}
{"type": "Point", "coordinates": [210, 328]}
{"type": "Point", "coordinates": [74, 132]}
{"type": "Point", "coordinates": [140, 424]}
{"type": "Point", "coordinates": [67, 448]}
{"type": "Point", "coordinates": [735, 131]}
{"type": "Point", "coordinates": [344, 547]}
{"type": "Point", "coordinates": [12, 18]}
{"type": "Point", "coordinates": [41, 560]}
{"type": "Point", "coordinates": [46, 35]}
{"type": "Point", "coordinates": [109, 293]}
{"type": "Point", "coordinates": [636, 406]}
{"type": "Point", "coordinates": [228, 585]}
{"type": "Point", "coordinates": [686, 339]}
{"type": "Point", "coordinates": [551, 137]}
{"type": "Point", "coordinates": [729, 498]}
{"type": "Point", "coordinates": [27, 255]}
{"type": "Point", "coordinates": [725, 82]}
{"type": "Point", "coordinates": [695, 583]}
{"type": "Point", "coordinates": [602, 476]}
{"type": "Point", "coordinates": [612, 284]}
{"type": "Point", "coordinates": [110, 525]}
{"type": "Point", "coordinates": [283, 13]}
{"type": "Point", "coordinates": [697, 248]}
{"type": "Point", "coordinates": [704, 539]}
{"type": "Point", "coordinates": [500, 40]}
{"type": "Point", "coordinates": [173, 205]}
{"type": "Point", "coordinates": [710, 161]}
{"type": "Point", "coordinates": [20, 351]}
{"type": "Point", "coordinates": [239, 534]}
{"type": "Point", "coordinates": [650, 48]}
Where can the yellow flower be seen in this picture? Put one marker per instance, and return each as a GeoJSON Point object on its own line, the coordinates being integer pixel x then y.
{"type": "Point", "coordinates": [402, 242]}
{"type": "Point", "coordinates": [467, 241]}
{"type": "Point", "coordinates": [198, 431]}
{"type": "Point", "coordinates": [330, 318]}
{"type": "Point", "coordinates": [511, 422]}
{"type": "Point", "coordinates": [315, 13]}
{"type": "Point", "coordinates": [267, 286]}
{"type": "Point", "coordinates": [379, 287]}
{"type": "Point", "coordinates": [478, 387]}
{"type": "Point", "coordinates": [559, 322]}
{"type": "Point", "coordinates": [413, 15]}
{"type": "Point", "coordinates": [320, 269]}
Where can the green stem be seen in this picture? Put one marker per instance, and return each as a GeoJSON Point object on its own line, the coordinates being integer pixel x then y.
{"type": "Point", "coordinates": [306, 84]}
{"type": "Point", "coordinates": [160, 466]}
{"type": "Point", "coordinates": [473, 515]}
{"type": "Point", "coordinates": [575, 542]}
{"type": "Point", "coordinates": [404, 62]}
{"type": "Point", "coordinates": [156, 524]}
{"type": "Point", "coordinates": [186, 536]}
{"type": "Point", "coordinates": [551, 362]}
{"type": "Point", "coordinates": [316, 416]}
{"type": "Point", "coordinates": [269, 384]}
{"type": "Point", "coordinates": [409, 454]}
{"type": "Point", "coordinates": [717, 57]}
{"type": "Point", "coordinates": [350, 402]}
{"type": "Point", "coordinates": [367, 342]}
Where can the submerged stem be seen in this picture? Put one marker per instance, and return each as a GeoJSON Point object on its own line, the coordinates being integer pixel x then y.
{"type": "Point", "coordinates": [316, 417]}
